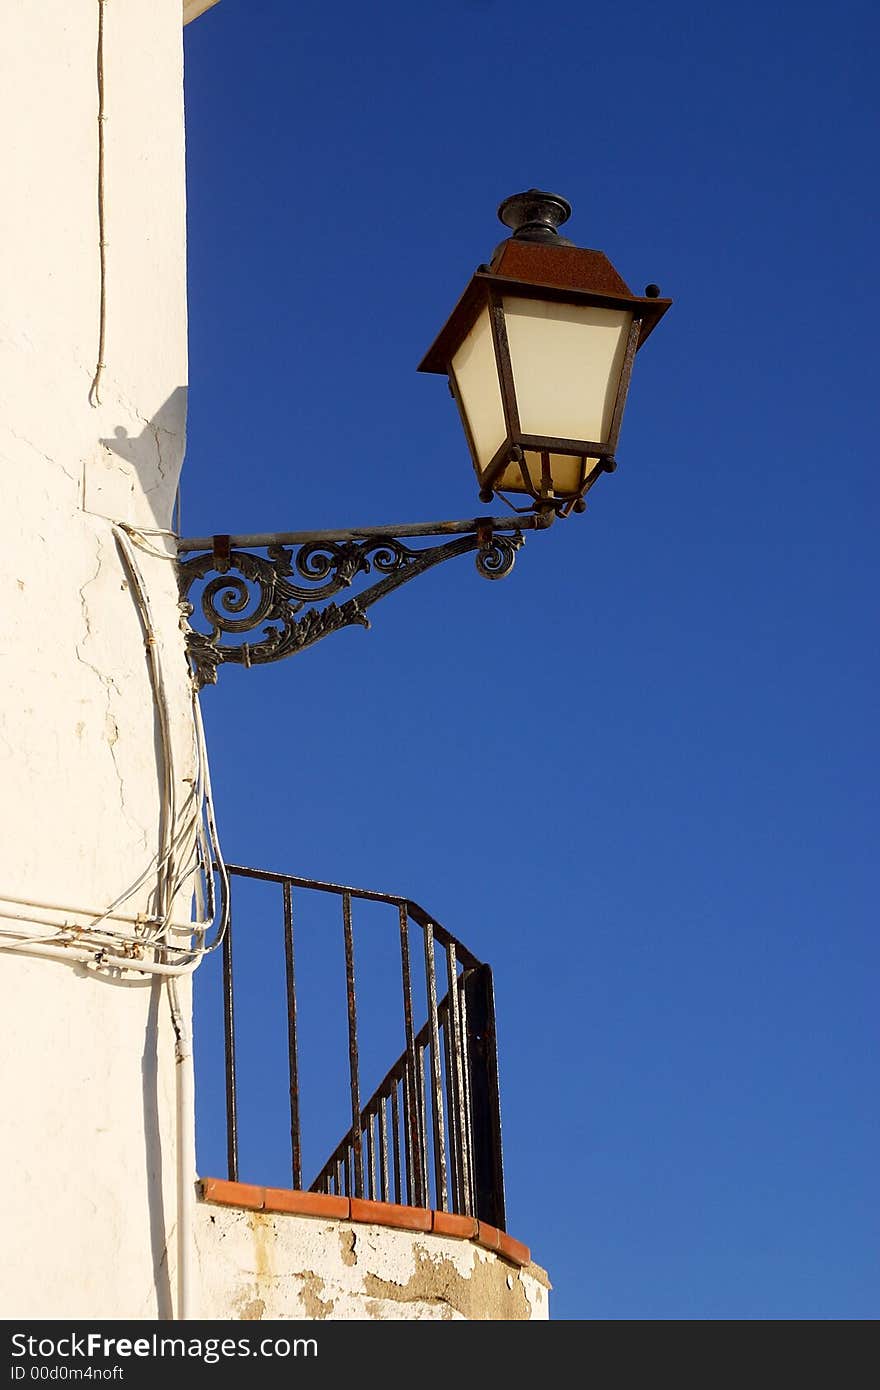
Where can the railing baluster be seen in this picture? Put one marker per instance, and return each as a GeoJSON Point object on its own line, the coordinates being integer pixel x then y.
{"type": "Point", "coordinates": [436, 1076]}
{"type": "Point", "coordinates": [416, 1172]}
{"type": "Point", "coordinates": [293, 1061]}
{"type": "Point", "coordinates": [423, 1110]}
{"type": "Point", "coordinates": [409, 1128]}
{"type": "Point", "coordinates": [468, 1137]}
{"type": "Point", "coordinates": [371, 1158]}
{"type": "Point", "coordinates": [353, 1048]}
{"type": "Point", "coordinates": [382, 1121]}
{"type": "Point", "coordinates": [458, 1118]}
{"type": "Point", "coordinates": [229, 1045]}
{"type": "Point", "coordinates": [395, 1150]}
{"type": "Point", "coordinates": [489, 1190]}
{"type": "Point", "coordinates": [451, 1127]}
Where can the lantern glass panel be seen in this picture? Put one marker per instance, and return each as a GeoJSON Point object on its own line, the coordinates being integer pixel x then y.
{"type": "Point", "coordinates": [476, 377]}
{"type": "Point", "coordinates": [566, 360]}
{"type": "Point", "coordinates": [566, 470]}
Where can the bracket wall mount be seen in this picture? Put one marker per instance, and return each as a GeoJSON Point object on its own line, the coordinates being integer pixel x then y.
{"type": "Point", "coordinates": [282, 586]}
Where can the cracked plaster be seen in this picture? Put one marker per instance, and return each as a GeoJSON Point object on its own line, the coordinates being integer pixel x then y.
{"type": "Point", "coordinates": [308, 1267]}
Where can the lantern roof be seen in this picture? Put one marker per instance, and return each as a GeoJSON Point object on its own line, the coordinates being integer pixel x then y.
{"type": "Point", "coordinates": [550, 268]}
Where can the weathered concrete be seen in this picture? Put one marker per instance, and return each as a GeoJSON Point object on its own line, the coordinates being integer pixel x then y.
{"type": "Point", "coordinates": [254, 1265]}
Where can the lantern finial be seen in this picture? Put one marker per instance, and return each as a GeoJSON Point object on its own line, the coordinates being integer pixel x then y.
{"type": "Point", "coordinates": [536, 216]}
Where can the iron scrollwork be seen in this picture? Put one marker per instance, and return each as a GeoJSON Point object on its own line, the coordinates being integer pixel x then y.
{"type": "Point", "coordinates": [272, 592]}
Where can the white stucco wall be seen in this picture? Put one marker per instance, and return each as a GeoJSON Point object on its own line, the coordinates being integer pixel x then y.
{"type": "Point", "coordinates": [253, 1265]}
{"type": "Point", "coordinates": [88, 1133]}
{"type": "Point", "coordinates": [86, 1066]}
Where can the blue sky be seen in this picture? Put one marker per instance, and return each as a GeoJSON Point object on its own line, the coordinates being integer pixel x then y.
{"type": "Point", "coordinates": [639, 776]}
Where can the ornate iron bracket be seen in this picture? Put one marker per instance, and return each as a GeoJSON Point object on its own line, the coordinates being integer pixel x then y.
{"type": "Point", "coordinates": [274, 591]}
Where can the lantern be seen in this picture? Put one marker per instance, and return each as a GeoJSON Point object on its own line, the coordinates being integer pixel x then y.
{"type": "Point", "coordinates": [539, 352]}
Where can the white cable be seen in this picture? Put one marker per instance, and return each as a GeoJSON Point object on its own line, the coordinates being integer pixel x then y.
{"type": "Point", "coordinates": [18, 941]}
{"type": "Point", "coordinates": [167, 888]}
{"type": "Point", "coordinates": [78, 935]}
{"type": "Point", "coordinates": [212, 855]}
{"type": "Point", "coordinates": [198, 927]}
{"type": "Point", "coordinates": [168, 798]}
{"type": "Point", "coordinates": [210, 819]}
{"type": "Point", "coordinates": [103, 959]}
{"type": "Point", "coordinates": [96, 916]}
{"type": "Point", "coordinates": [150, 531]}
{"type": "Point", "coordinates": [138, 536]}
{"type": "Point", "coordinates": [186, 1155]}
{"type": "Point", "coordinates": [196, 825]}
{"type": "Point", "coordinates": [95, 390]}
{"type": "Point", "coordinates": [142, 597]}
{"type": "Point", "coordinates": [156, 864]}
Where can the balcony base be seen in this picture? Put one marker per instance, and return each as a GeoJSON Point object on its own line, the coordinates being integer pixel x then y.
{"type": "Point", "coordinates": [269, 1253]}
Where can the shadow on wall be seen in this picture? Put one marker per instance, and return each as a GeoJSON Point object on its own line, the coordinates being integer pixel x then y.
{"type": "Point", "coordinates": [156, 454]}
{"type": "Point", "coordinates": [153, 1141]}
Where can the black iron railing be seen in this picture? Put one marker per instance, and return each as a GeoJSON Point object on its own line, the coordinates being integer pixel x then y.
{"type": "Point", "coordinates": [430, 1134]}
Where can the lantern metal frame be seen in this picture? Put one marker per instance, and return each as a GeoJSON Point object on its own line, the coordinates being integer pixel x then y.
{"type": "Point", "coordinates": [558, 273]}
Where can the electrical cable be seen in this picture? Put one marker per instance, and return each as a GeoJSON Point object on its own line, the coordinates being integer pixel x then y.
{"type": "Point", "coordinates": [95, 390]}
{"type": "Point", "coordinates": [173, 865]}
{"type": "Point", "coordinates": [167, 800]}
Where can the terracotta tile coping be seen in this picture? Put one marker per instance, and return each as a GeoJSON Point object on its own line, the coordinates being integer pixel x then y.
{"type": "Point", "coordinates": [441, 1223]}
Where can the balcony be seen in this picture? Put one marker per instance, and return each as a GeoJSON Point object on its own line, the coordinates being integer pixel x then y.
{"type": "Point", "coordinates": [430, 1133]}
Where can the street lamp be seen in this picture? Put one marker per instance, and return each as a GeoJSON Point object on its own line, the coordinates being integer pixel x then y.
{"type": "Point", "coordinates": [538, 352]}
